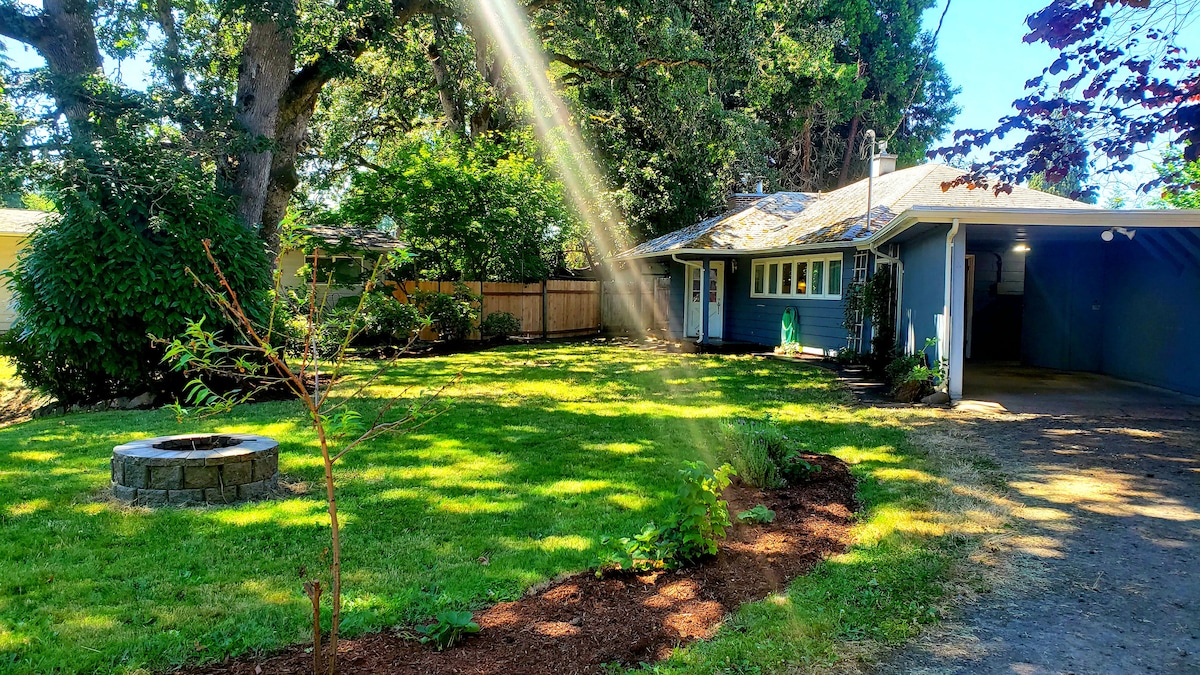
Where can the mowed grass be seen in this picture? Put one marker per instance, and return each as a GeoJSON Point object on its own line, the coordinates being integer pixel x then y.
{"type": "Point", "coordinates": [543, 450]}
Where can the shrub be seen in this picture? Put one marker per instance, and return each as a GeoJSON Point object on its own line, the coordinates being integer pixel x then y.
{"type": "Point", "coordinates": [500, 324]}
{"type": "Point", "coordinates": [386, 320]}
{"type": "Point", "coordinates": [697, 521]}
{"type": "Point", "coordinates": [901, 368]}
{"type": "Point", "coordinates": [700, 516]}
{"type": "Point", "coordinates": [452, 315]}
{"type": "Point", "coordinates": [93, 284]}
{"type": "Point", "coordinates": [767, 456]}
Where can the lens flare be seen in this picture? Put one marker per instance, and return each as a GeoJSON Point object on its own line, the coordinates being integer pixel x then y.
{"type": "Point", "coordinates": [507, 24]}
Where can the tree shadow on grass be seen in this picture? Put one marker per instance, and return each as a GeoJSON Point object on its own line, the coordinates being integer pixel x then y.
{"type": "Point", "coordinates": [514, 486]}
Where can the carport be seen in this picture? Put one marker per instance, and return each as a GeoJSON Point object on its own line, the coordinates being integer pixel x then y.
{"type": "Point", "coordinates": [1087, 290]}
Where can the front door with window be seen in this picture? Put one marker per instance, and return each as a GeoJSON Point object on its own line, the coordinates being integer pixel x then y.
{"type": "Point", "coordinates": [716, 301]}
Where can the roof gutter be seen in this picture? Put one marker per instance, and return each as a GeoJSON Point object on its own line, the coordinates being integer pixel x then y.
{"type": "Point", "coordinates": [717, 252]}
{"type": "Point", "coordinates": [1007, 216]}
{"type": "Point", "coordinates": [1100, 218]}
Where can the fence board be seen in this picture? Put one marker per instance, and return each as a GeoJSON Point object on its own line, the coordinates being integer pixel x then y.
{"type": "Point", "coordinates": [638, 306]}
{"type": "Point", "coordinates": [572, 307]}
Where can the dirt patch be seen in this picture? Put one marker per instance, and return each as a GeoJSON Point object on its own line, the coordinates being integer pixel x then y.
{"type": "Point", "coordinates": [581, 623]}
{"type": "Point", "coordinates": [18, 404]}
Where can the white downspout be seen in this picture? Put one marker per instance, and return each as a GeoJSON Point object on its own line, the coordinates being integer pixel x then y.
{"type": "Point", "coordinates": [945, 349]}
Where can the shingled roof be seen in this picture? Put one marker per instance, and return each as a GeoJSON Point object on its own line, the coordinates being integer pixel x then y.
{"type": "Point", "coordinates": [787, 219]}
{"type": "Point", "coordinates": [21, 221]}
{"type": "Point", "coordinates": [367, 240]}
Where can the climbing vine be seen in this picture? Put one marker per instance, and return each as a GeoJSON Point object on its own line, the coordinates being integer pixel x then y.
{"type": "Point", "coordinates": [873, 299]}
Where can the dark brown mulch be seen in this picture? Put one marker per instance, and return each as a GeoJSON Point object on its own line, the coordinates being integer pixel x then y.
{"type": "Point", "coordinates": [580, 623]}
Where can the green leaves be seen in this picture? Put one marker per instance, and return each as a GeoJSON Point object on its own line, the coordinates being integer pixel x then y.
{"type": "Point", "coordinates": [448, 629]}
{"type": "Point", "coordinates": [697, 524]}
{"type": "Point", "coordinates": [110, 270]}
{"type": "Point", "coordinates": [758, 514]}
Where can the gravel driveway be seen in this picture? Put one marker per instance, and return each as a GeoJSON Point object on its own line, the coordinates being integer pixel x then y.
{"type": "Point", "coordinates": [1107, 478]}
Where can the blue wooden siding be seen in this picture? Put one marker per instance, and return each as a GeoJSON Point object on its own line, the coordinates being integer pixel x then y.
{"type": "Point", "coordinates": [1062, 325]}
{"type": "Point", "coordinates": [1117, 308]}
{"type": "Point", "coordinates": [758, 320]}
{"type": "Point", "coordinates": [924, 297]}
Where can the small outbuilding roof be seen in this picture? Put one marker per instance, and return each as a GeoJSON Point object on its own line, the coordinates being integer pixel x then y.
{"type": "Point", "coordinates": [367, 240]}
{"type": "Point", "coordinates": [21, 221]}
{"type": "Point", "coordinates": [790, 219]}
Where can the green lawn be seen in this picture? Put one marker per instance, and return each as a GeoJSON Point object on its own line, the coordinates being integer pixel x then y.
{"type": "Point", "coordinates": [544, 449]}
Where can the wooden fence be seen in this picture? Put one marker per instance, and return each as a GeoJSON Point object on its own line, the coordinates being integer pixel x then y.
{"type": "Point", "coordinates": [555, 308]}
{"type": "Point", "coordinates": [633, 307]}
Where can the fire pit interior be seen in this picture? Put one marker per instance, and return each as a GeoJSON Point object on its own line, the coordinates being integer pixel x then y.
{"type": "Point", "coordinates": [195, 469]}
{"type": "Point", "coordinates": [198, 443]}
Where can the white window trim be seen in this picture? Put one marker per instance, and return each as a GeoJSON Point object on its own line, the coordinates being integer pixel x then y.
{"type": "Point", "coordinates": [809, 259]}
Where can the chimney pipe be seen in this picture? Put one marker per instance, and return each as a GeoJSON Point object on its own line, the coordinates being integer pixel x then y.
{"type": "Point", "coordinates": [758, 187]}
{"type": "Point", "coordinates": [883, 163]}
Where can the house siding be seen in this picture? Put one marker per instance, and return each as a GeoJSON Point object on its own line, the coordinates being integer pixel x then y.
{"type": "Point", "coordinates": [759, 320]}
{"type": "Point", "coordinates": [678, 280]}
{"type": "Point", "coordinates": [924, 298]}
{"type": "Point", "coordinates": [9, 246]}
{"type": "Point", "coordinates": [1114, 308]}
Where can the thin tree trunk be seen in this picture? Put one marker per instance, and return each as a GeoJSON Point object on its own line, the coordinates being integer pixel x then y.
{"type": "Point", "coordinates": [844, 176]}
{"type": "Point", "coordinates": [335, 570]}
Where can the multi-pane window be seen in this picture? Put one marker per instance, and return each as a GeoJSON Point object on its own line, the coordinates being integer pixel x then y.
{"type": "Point", "coordinates": [814, 277]}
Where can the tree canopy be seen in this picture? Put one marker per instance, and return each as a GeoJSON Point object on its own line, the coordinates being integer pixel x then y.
{"type": "Point", "coordinates": [285, 102]}
{"type": "Point", "coordinates": [1122, 79]}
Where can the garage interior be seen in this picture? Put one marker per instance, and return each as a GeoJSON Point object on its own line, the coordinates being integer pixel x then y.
{"type": "Point", "coordinates": [1123, 302]}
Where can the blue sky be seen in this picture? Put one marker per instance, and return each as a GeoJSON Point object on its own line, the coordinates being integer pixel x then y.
{"type": "Point", "coordinates": [980, 44]}
{"type": "Point", "coordinates": [982, 48]}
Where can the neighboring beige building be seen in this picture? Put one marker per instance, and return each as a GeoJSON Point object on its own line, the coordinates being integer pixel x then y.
{"type": "Point", "coordinates": [368, 245]}
{"type": "Point", "coordinates": [15, 227]}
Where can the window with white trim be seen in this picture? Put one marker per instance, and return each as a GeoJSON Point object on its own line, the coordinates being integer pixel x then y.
{"type": "Point", "coordinates": [816, 277]}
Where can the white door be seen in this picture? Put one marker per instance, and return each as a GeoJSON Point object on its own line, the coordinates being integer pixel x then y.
{"type": "Point", "coordinates": [716, 301]}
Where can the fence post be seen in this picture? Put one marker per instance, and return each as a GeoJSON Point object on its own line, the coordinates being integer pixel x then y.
{"type": "Point", "coordinates": [545, 318]}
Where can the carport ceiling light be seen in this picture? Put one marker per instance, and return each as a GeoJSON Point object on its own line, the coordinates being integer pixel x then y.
{"type": "Point", "coordinates": [1022, 247]}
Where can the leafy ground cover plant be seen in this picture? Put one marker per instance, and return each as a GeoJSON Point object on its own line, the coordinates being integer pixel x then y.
{"type": "Point", "coordinates": [447, 629]}
{"type": "Point", "coordinates": [759, 514]}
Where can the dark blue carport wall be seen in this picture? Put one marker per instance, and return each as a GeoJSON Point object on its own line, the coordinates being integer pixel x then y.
{"type": "Point", "coordinates": [1129, 308]}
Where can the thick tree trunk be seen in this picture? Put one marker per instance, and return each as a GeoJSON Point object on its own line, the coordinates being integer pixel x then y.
{"type": "Point", "coordinates": [299, 101]}
{"type": "Point", "coordinates": [263, 76]}
{"type": "Point", "coordinates": [64, 34]}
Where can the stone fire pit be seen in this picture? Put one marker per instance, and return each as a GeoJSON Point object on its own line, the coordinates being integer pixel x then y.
{"type": "Point", "coordinates": [195, 469]}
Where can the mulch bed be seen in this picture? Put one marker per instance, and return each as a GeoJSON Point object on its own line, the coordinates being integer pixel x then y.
{"type": "Point", "coordinates": [580, 623]}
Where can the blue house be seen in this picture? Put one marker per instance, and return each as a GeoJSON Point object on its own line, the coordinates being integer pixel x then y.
{"type": "Point", "coordinates": [1015, 277]}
